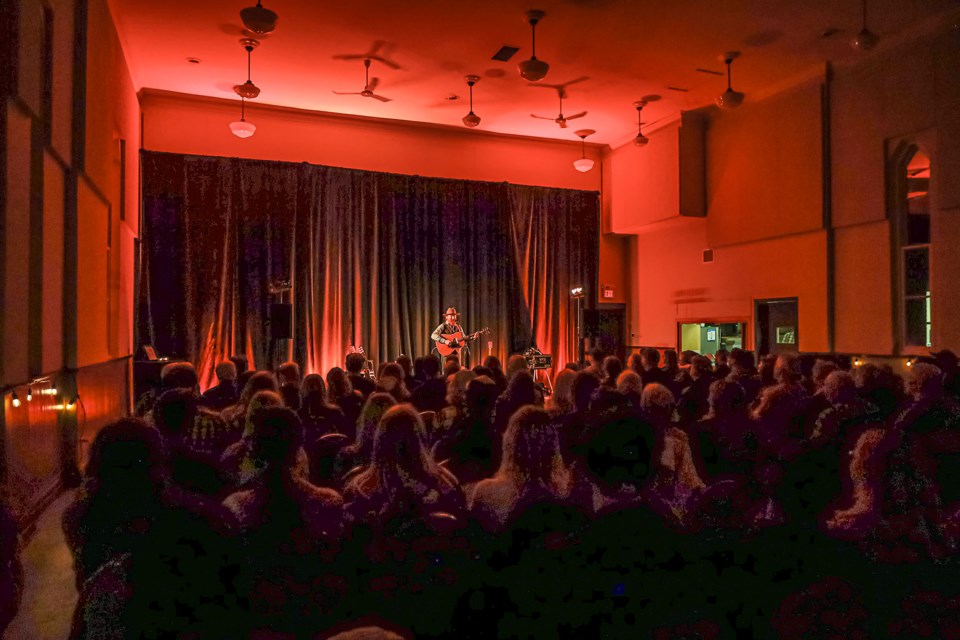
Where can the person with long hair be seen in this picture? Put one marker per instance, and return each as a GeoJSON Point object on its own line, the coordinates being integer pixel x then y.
{"type": "Point", "coordinates": [450, 418]}
{"type": "Point", "coordinates": [466, 450]}
{"type": "Point", "coordinates": [317, 414]}
{"type": "Point", "coordinates": [119, 500]}
{"type": "Point", "coordinates": [359, 452]}
{"type": "Point", "coordinates": [289, 529]}
{"type": "Point", "coordinates": [340, 392]}
{"type": "Point", "coordinates": [531, 471]}
{"type": "Point", "coordinates": [236, 415]}
{"type": "Point", "coordinates": [402, 479]}
{"type": "Point", "coordinates": [560, 402]}
{"type": "Point", "coordinates": [676, 483]}
{"type": "Point", "coordinates": [279, 498]}
{"type": "Point", "coordinates": [392, 380]}
{"type": "Point", "coordinates": [237, 464]}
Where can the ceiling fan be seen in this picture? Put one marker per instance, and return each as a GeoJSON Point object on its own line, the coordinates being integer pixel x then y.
{"type": "Point", "coordinates": [373, 54]}
{"type": "Point", "coordinates": [561, 93]}
{"type": "Point", "coordinates": [369, 86]}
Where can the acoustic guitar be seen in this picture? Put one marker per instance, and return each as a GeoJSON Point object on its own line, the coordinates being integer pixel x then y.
{"type": "Point", "coordinates": [446, 349]}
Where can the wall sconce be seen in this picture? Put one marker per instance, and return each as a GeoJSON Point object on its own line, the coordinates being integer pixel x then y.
{"type": "Point", "coordinates": [15, 400]}
{"type": "Point", "coordinates": [583, 163]}
{"type": "Point", "coordinates": [72, 403]}
{"type": "Point", "coordinates": [857, 362]}
{"type": "Point", "coordinates": [29, 394]}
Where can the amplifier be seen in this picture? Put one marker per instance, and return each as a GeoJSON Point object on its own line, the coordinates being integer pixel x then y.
{"type": "Point", "coordinates": [539, 361]}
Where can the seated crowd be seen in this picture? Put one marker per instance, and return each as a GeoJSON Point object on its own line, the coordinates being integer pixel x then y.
{"type": "Point", "coordinates": [699, 499]}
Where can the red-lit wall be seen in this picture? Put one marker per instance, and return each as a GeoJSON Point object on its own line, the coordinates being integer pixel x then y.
{"type": "Point", "coordinates": [763, 222]}
{"type": "Point", "coordinates": [191, 125]}
{"type": "Point", "coordinates": [908, 93]}
{"type": "Point", "coordinates": [66, 313]}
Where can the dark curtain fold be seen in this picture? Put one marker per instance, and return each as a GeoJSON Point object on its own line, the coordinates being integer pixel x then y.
{"type": "Point", "coordinates": [372, 260]}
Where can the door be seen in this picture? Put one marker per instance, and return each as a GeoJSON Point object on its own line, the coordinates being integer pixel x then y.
{"type": "Point", "coordinates": [777, 325]}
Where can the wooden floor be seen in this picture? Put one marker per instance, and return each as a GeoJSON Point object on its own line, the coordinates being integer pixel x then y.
{"type": "Point", "coordinates": [49, 592]}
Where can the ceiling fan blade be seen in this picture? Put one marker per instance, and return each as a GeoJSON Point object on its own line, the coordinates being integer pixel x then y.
{"type": "Point", "coordinates": [347, 93]}
{"type": "Point", "coordinates": [544, 86]}
{"type": "Point", "coordinates": [576, 80]}
{"type": "Point", "coordinates": [372, 85]}
{"type": "Point", "coordinates": [349, 56]}
{"type": "Point", "coordinates": [577, 115]}
{"type": "Point", "coordinates": [380, 98]}
{"type": "Point", "coordinates": [386, 61]}
{"type": "Point", "coordinates": [532, 115]}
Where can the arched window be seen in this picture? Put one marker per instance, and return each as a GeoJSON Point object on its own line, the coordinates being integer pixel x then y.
{"type": "Point", "coordinates": [911, 235]}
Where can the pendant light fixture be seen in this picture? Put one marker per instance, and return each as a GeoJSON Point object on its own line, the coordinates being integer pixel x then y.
{"type": "Point", "coordinates": [241, 128]}
{"type": "Point", "coordinates": [583, 163]}
{"type": "Point", "coordinates": [641, 140]}
{"type": "Point", "coordinates": [729, 99]}
{"type": "Point", "coordinates": [259, 20]}
{"type": "Point", "coordinates": [866, 39]}
{"type": "Point", "coordinates": [471, 119]}
{"type": "Point", "coordinates": [248, 90]}
{"type": "Point", "coordinates": [534, 69]}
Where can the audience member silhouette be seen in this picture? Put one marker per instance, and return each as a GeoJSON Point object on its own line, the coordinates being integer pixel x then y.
{"type": "Point", "coordinates": [225, 393]}
{"type": "Point", "coordinates": [359, 453]}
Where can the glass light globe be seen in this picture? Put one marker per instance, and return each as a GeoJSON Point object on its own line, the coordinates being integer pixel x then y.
{"type": "Point", "coordinates": [583, 164]}
{"type": "Point", "coordinates": [259, 20]}
{"type": "Point", "coordinates": [729, 99]}
{"type": "Point", "coordinates": [865, 40]}
{"type": "Point", "coordinates": [243, 129]}
{"type": "Point", "coordinates": [533, 69]}
{"type": "Point", "coordinates": [641, 140]}
{"type": "Point", "coordinates": [471, 119]}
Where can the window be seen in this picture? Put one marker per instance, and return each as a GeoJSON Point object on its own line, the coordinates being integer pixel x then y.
{"type": "Point", "coordinates": [913, 238]}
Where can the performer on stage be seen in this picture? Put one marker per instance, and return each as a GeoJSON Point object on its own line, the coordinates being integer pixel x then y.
{"type": "Point", "coordinates": [450, 337]}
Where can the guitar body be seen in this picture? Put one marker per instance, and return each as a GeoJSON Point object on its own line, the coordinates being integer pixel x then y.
{"type": "Point", "coordinates": [445, 349]}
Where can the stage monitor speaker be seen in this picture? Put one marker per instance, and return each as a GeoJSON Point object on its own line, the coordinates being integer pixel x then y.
{"type": "Point", "coordinates": [281, 321]}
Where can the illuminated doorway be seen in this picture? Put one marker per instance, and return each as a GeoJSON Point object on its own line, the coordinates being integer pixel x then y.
{"type": "Point", "coordinates": [706, 338]}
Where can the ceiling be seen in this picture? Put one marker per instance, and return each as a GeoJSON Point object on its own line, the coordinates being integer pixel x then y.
{"type": "Point", "coordinates": [627, 49]}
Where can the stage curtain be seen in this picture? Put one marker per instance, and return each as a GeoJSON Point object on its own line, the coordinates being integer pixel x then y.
{"type": "Point", "coordinates": [372, 260]}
